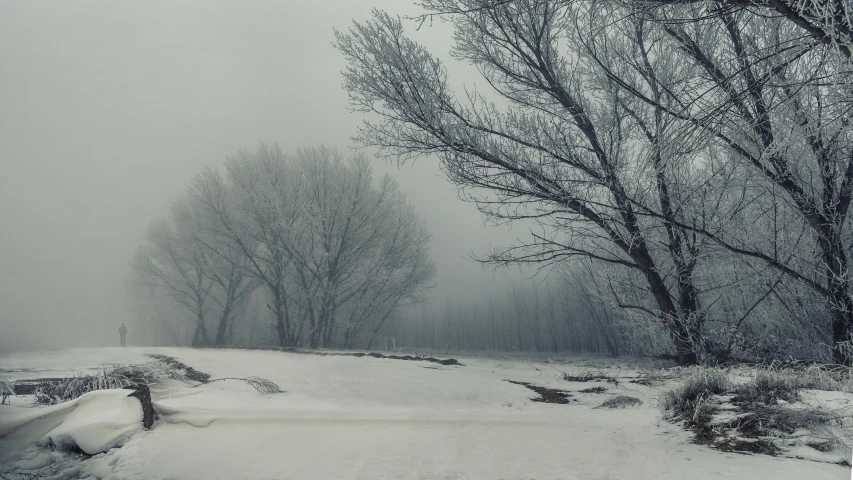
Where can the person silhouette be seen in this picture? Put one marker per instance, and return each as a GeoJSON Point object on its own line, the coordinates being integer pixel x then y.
{"type": "Point", "coordinates": [122, 331]}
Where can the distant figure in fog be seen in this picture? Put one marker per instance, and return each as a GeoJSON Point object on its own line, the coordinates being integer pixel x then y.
{"type": "Point", "coordinates": [122, 330]}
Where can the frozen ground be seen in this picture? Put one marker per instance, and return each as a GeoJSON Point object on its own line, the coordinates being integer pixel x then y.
{"type": "Point", "coordinates": [365, 418]}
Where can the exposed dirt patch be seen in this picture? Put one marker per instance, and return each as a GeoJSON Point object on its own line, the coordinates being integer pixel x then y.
{"type": "Point", "coordinates": [189, 372]}
{"type": "Point", "coordinates": [821, 446]}
{"type": "Point", "coordinates": [588, 376]}
{"type": "Point", "coordinates": [547, 395]}
{"type": "Point", "coordinates": [71, 448]}
{"type": "Point", "coordinates": [594, 390]}
{"type": "Point", "coordinates": [642, 381]}
{"type": "Point", "coordinates": [448, 361]}
{"type": "Point", "coordinates": [621, 401]}
{"type": "Point", "coordinates": [652, 380]}
{"type": "Point", "coordinates": [706, 435]}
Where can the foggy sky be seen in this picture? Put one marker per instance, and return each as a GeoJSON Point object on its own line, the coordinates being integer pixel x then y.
{"type": "Point", "coordinates": [108, 108]}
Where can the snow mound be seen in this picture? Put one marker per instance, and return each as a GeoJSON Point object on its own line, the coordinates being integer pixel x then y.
{"type": "Point", "coordinates": [101, 421]}
{"type": "Point", "coordinates": [95, 422]}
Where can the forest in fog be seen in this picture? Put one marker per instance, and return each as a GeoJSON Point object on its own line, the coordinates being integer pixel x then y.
{"type": "Point", "coordinates": [683, 177]}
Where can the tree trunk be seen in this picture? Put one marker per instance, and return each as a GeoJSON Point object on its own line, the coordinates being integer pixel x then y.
{"type": "Point", "coordinates": [223, 324]}
{"type": "Point", "coordinates": [142, 393]}
{"type": "Point", "coordinates": [203, 341]}
{"type": "Point", "coordinates": [381, 322]}
{"type": "Point", "coordinates": [314, 340]}
{"type": "Point", "coordinates": [838, 286]}
{"type": "Point", "coordinates": [684, 352]}
{"type": "Point", "coordinates": [197, 336]}
{"type": "Point", "coordinates": [281, 330]}
{"type": "Point", "coordinates": [329, 334]}
{"type": "Point", "coordinates": [677, 330]}
{"type": "Point", "coordinates": [347, 337]}
{"type": "Point", "coordinates": [320, 326]}
{"type": "Point", "coordinates": [281, 326]}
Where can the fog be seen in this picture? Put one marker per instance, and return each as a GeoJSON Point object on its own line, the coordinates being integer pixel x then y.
{"type": "Point", "coordinates": [107, 109]}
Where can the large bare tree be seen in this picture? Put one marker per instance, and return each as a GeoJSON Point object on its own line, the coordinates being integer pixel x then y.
{"type": "Point", "coordinates": [570, 151]}
{"type": "Point", "coordinates": [333, 248]}
{"type": "Point", "coordinates": [778, 105]}
{"type": "Point", "coordinates": [250, 212]}
{"type": "Point", "coordinates": [360, 248]}
{"type": "Point", "coordinates": [224, 264]}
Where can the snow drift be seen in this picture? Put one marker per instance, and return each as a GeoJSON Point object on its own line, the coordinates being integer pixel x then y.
{"type": "Point", "coordinates": [95, 423]}
{"type": "Point", "coordinates": [370, 418]}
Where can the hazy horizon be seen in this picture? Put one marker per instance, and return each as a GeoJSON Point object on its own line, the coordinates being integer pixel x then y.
{"type": "Point", "coordinates": [109, 109]}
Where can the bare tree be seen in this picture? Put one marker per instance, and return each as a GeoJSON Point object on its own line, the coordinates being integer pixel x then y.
{"type": "Point", "coordinates": [173, 263]}
{"type": "Point", "coordinates": [224, 264]}
{"type": "Point", "coordinates": [323, 239]}
{"type": "Point", "coordinates": [778, 106]}
{"type": "Point", "coordinates": [567, 152]}
{"type": "Point", "coordinates": [251, 213]}
{"type": "Point", "coordinates": [828, 23]}
{"type": "Point", "coordinates": [360, 247]}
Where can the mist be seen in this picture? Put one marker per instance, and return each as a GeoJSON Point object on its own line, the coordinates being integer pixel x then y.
{"type": "Point", "coordinates": [108, 109]}
{"type": "Point", "coordinates": [487, 239]}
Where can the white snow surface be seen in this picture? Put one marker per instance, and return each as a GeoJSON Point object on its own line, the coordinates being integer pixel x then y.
{"type": "Point", "coordinates": [96, 422]}
{"type": "Point", "coordinates": [102, 420]}
{"type": "Point", "coordinates": [342, 417]}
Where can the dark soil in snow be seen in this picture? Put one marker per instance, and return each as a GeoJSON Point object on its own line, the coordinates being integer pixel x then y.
{"type": "Point", "coordinates": [547, 395]}
{"type": "Point", "coordinates": [414, 358]}
{"type": "Point", "coordinates": [621, 401]}
{"type": "Point", "coordinates": [588, 376]}
{"type": "Point", "coordinates": [28, 387]}
{"type": "Point", "coordinates": [706, 435]}
{"type": "Point", "coordinates": [448, 361]}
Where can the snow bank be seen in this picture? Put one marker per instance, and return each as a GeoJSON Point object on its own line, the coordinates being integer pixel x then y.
{"type": "Point", "coordinates": [95, 422]}
{"type": "Point", "coordinates": [103, 420]}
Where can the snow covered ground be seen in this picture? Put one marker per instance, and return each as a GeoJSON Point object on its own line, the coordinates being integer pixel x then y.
{"type": "Point", "coordinates": [64, 363]}
{"type": "Point", "coordinates": [342, 417]}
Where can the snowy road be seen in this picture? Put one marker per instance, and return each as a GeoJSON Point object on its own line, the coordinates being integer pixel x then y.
{"type": "Point", "coordinates": [367, 418]}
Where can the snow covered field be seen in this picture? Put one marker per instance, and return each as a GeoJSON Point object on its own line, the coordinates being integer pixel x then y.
{"type": "Point", "coordinates": [342, 417]}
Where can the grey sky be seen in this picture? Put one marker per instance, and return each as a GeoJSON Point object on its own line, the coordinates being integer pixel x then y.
{"type": "Point", "coordinates": [107, 109]}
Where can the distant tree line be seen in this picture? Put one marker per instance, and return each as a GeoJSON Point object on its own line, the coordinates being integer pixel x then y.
{"type": "Point", "coordinates": [556, 316]}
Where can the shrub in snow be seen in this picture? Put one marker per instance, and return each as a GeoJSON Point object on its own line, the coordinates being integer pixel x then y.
{"type": "Point", "coordinates": [112, 377]}
{"type": "Point", "coordinates": [6, 391]}
{"type": "Point", "coordinates": [765, 413]}
{"type": "Point", "coordinates": [768, 387]}
{"type": "Point", "coordinates": [689, 401]}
